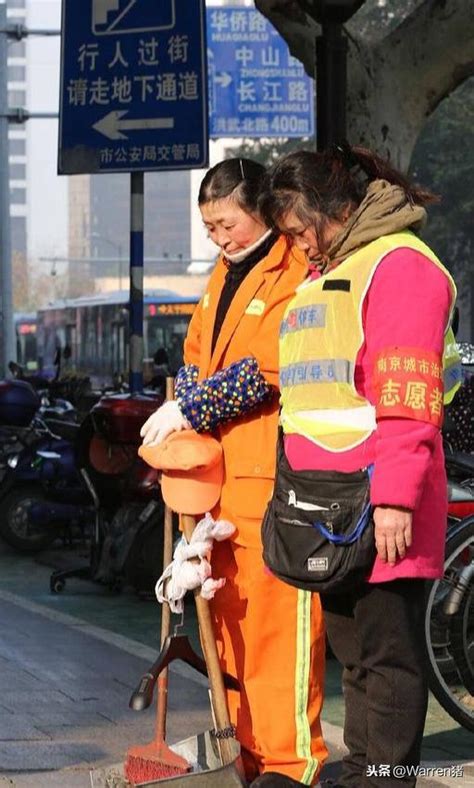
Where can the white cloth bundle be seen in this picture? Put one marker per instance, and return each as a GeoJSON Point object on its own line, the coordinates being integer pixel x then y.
{"type": "Point", "coordinates": [183, 574]}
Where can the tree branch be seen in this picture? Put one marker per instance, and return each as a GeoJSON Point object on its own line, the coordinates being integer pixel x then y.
{"type": "Point", "coordinates": [398, 80]}
{"type": "Point", "coordinates": [435, 44]}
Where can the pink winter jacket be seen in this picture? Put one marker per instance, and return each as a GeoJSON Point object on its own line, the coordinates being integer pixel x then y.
{"type": "Point", "coordinates": [408, 305]}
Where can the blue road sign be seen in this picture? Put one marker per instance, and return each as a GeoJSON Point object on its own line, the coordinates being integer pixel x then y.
{"type": "Point", "coordinates": [133, 86]}
{"type": "Point", "coordinates": [256, 88]}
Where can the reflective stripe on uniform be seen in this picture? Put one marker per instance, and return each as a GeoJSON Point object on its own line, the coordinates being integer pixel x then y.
{"type": "Point", "coordinates": [349, 419]}
{"type": "Point", "coordinates": [334, 440]}
{"type": "Point", "coordinates": [302, 679]}
{"type": "Point", "coordinates": [338, 370]}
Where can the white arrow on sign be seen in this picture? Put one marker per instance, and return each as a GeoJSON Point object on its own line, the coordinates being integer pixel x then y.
{"type": "Point", "coordinates": [223, 79]}
{"type": "Point", "coordinates": [112, 125]}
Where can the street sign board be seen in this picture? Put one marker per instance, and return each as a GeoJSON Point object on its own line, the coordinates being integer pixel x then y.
{"type": "Point", "coordinates": [133, 86]}
{"type": "Point", "coordinates": [256, 88]}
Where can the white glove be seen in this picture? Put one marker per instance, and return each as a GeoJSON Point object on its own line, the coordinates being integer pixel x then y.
{"type": "Point", "coordinates": [162, 423]}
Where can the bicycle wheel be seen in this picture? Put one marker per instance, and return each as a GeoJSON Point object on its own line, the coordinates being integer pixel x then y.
{"type": "Point", "coordinates": [450, 639]}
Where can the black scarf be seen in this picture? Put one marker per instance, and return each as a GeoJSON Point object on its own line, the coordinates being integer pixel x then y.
{"type": "Point", "coordinates": [236, 273]}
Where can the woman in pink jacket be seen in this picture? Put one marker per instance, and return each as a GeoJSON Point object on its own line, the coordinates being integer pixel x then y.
{"type": "Point", "coordinates": [363, 364]}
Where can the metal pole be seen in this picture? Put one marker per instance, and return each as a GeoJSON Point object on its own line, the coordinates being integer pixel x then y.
{"type": "Point", "coordinates": [21, 115]}
{"type": "Point", "coordinates": [136, 281]}
{"type": "Point", "coordinates": [7, 331]}
{"type": "Point", "coordinates": [331, 84]}
{"type": "Point", "coordinates": [20, 31]}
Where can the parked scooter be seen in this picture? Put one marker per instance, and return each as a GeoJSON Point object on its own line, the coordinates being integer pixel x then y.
{"type": "Point", "coordinates": [69, 476]}
{"type": "Point", "coordinates": [32, 446]}
{"type": "Point", "coordinates": [126, 541]}
{"type": "Point", "coordinates": [18, 406]}
{"type": "Point", "coordinates": [65, 395]}
{"type": "Point", "coordinates": [41, 492]}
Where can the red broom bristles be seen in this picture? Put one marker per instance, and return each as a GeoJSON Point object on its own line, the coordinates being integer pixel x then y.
{"type": "Point", "coordinates": [153, 761]}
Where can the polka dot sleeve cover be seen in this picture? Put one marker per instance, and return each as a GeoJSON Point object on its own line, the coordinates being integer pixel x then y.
{"type": "Point", "coordinates": [226, 395]}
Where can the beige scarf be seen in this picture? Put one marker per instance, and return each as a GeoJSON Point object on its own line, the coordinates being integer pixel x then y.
{"type": "Point", "coordinates": [385, 209]}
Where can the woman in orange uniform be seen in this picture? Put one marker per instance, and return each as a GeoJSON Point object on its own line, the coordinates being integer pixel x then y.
{"type": "Point", "coordinates": [269, 635]}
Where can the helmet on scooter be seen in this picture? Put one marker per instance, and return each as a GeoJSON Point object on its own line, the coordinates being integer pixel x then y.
{"type": "Point", "coordinates": [18, 403]}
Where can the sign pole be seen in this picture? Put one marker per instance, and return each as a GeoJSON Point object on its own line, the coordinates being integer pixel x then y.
{"type": "Point", "coordinates": [8, 346]}
{"type": "Point", "coordinates": [133, 99]}
{"type": "Point", "coordinates": [331, 69]}
{"type": "Point", "coordinates": [136, 281]}
{"type": "Point", "coordinates": [331, 81]}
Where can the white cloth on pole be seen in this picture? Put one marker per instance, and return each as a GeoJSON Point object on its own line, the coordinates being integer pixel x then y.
{"type": "Point", "coordinates": [184, 574]}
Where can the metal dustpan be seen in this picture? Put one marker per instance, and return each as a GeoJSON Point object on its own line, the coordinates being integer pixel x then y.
{"type": "Point", "coordinates": [201, 752]}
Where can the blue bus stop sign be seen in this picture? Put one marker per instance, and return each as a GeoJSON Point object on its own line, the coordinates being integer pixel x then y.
{"type": "Point", "coordinates": [133, 86]}
{"type": "Point", "coordinates": [256, 88]}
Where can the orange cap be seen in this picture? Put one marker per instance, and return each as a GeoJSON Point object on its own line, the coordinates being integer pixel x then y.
{"type": "Point", "coordinates": [192, 468]}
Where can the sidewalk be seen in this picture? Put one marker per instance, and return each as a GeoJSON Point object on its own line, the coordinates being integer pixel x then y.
{"type": "Point", "coordinates": [68, 664]}
{"type": "Point", "coordinates": [64, 698]}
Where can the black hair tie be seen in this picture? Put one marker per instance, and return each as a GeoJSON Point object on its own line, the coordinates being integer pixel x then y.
{"type": "Point", "coordinates": [343, 152]}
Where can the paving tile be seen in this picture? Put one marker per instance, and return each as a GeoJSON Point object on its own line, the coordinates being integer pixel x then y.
{"type": "Point", "coordinates": [68, 707]}
{"type": "Point", "coordinates": [14, 727]}
{"type": "Point", "coordinates": [65, 778]}
{"type": "Point", "coordinates": [28, 701]}
{"type": "Point", "coordinates": [75, 718]}
{"type": "Point", "coordinates": [39, 756]}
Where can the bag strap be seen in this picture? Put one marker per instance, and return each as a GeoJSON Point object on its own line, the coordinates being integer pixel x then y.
{"type": "Point", "coordinates": [353, 536]}
{"type": "Point", "coordinates": [359, 527]}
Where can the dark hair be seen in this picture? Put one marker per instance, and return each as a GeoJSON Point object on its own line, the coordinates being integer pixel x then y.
{"type": "Point", "coordinates": [328, 183]}
{"type": "Point", "coordinates": [240, 178]}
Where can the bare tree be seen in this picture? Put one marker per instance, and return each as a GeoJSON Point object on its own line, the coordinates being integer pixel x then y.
{"type": "Point", "coordinates": [399, 70]}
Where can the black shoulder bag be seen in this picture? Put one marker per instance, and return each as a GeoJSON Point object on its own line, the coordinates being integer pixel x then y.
{"type": "Point", "coordinates": [318, 531]}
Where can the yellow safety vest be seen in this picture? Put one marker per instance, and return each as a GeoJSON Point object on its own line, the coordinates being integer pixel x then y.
{"type": "Point", "coordinates": [320, 337]}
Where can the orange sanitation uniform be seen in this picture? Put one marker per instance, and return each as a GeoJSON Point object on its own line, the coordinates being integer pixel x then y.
{"type": "Point", "coordinates": [269, 634]}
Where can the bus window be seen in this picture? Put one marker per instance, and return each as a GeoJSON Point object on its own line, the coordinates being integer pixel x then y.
{"type": "Point", "coordinates": [168, 332]}
{"type": "Point", "coordinates": [97, 332]}
{"type": "Point", "coordinates": [29, 353]}
{"type": "Point", "coordinates": [118, 348]}
{"type": "Point", "coordinates": [71, 343]}
{"type": "Point", "coordinates": [26, 341]}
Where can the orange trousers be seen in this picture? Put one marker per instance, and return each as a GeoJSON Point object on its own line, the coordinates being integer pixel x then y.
{"type": "Point", "coordinates": [271, 637]}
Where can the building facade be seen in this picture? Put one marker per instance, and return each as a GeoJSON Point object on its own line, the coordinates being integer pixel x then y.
{"type": "Point", "coordinates": [17, 76]}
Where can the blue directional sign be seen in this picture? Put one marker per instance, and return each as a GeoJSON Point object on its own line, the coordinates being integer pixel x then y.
{"type": "Point", "coordinates": [133, 86]}
{"type": "Point", "coordinates": [256, 88]}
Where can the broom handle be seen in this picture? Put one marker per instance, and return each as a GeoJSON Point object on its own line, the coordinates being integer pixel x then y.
{"type": "Point", "coordinates": [162, 682]}
{"type": "Point", "coordinates": [209, 647]}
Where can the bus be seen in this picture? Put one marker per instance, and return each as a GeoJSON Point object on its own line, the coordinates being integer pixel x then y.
{"type": "Point", "coordinates": [92, 334]}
